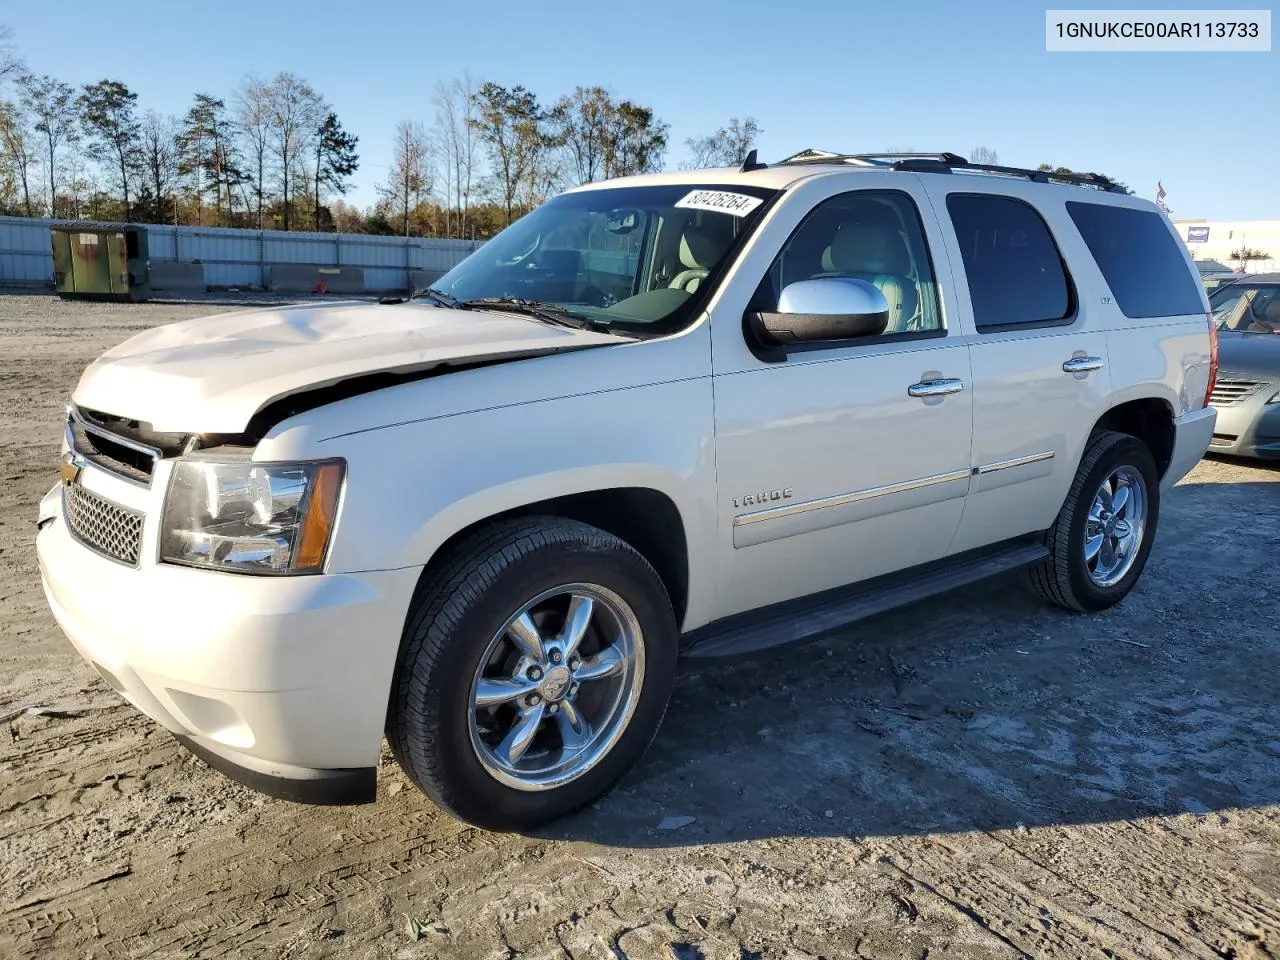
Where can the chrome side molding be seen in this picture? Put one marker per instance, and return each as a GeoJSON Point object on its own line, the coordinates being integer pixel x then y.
{"type": "Point", "coordinates": [839, 500]}
{"type": "Point", "coordinates": [1010, 464]}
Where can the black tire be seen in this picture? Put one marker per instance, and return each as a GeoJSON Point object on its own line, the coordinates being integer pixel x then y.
{"type": "Point", "coordinates": [1063, 578]}
{"type": "Point", "coordinates": [484, 580]}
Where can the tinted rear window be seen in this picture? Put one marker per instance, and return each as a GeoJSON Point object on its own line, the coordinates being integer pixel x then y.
{"type": "Point", "coordinates": [1141, 261]}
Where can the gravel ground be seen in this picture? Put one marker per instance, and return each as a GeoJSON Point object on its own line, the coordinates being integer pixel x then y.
{"type": "Point", "coordinates": [975, 777]}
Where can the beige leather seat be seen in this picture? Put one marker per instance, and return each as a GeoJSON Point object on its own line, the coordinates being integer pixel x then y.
{"type": "Point", "coordinates": [878, 254]}
{"type": "Point", "coordinates": [701, 247]}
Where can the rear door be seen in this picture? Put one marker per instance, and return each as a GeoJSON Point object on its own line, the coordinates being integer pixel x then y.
{"type": "Point", "coordinates": [1040, 377]}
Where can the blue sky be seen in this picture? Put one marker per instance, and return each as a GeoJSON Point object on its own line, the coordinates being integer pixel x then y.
{"type": "Point", "coordinates": [836, 74]}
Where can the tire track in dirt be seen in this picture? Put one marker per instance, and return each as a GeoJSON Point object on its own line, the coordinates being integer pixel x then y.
{"type": "Point", "coordinates": [304, 870]}
{"type": "Point", "coordinates": [1002, 894]}
{"type": "Point", "coordinates": [1168, 872]}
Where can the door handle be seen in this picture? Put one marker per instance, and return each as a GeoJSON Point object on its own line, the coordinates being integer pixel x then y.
{"type": "Point", "coordinates": [1082, 364]}
{"type": "Point", "coordinates": [935, 388]}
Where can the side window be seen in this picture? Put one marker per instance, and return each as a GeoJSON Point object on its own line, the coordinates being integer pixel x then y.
{"type": "Point", "coordinates": [1015, 272]}
{"type": "Point", "coordinates": [1142, 262]}
{"type": "Point", "coordinates": [871, 235]}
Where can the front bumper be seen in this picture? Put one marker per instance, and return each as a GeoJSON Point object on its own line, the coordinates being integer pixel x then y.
{"type": "Point", "coordinates": [1249, 429]}
{"type": "Point", "coordinates": [281, 683]}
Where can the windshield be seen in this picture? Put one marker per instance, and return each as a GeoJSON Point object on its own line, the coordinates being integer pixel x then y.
{"type": "Point", "coordinates": [1247, 307]}
{"type": "Point", "coordinates": [632, 258]}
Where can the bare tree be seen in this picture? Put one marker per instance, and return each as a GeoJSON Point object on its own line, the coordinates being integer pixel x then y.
{"type": "Point", "coordinates": [704, 152]}
{"type": "Point", "coordinates": [160, 167]}
{"type": "Point", "coordinates": [984, 155]}
{"type": "Point", "coordinates": [11, 64]}
{"type": "Point", "coordinates": [79, 183]}
{"type": "Point", "coordinates": [18, 144]}
{"type": "Point", "coordinates": [547, 175]}
{"type": "Point", "coordinates": [295, 112]}
{"type": "Point", "coordinates": [253, 121]}
{"type": "Point", "coordinates": [727, 147]}
{"type": "Point", "coordinates": [410, 176]}
{"type": "Point", "coordinates": [51, 105]}
{"type": "Point", "coordinates": [458, 146]}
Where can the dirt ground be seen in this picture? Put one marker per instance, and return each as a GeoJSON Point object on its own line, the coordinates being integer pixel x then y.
{"type": "Point", "coordinates": [976, 777]}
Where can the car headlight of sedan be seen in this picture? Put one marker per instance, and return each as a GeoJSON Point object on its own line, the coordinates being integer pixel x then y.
{"type": "Point", "coordinates": [1276, 398]}
{"type": "Point", "coordinates": [245, 517]}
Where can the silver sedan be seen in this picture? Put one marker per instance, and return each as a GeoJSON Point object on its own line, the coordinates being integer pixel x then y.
{"type": "Point", "coordinates": [1247, 395]}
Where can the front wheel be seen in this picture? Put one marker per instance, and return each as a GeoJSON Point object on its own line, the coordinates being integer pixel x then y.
{"type": "Point", "coordinates": [533, 673]}
{"type": "Point", "coordinates": [1099, 543]}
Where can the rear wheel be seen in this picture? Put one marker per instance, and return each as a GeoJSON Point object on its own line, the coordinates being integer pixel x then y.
{"type": "Point", "coordinates": [1100, 541]}
{"type": "Point", "coordinates": [533, 672]}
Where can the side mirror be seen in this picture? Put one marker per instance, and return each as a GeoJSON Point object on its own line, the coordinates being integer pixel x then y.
{"type": "Point", "coordinates": [830, 308]}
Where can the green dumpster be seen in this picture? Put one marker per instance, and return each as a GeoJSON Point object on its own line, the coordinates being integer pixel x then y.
{"type": "Point", "coordinates": [93, 260]}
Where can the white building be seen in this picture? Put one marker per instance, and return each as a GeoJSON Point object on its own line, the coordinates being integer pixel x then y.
{"type": "Point", "coordinates": [1219, 239]}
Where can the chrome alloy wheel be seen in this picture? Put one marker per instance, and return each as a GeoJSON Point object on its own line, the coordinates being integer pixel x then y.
{"type": "Point", "coordinates": [556, 687]}
{"type": "Point", "coordinates": [1115, 526]}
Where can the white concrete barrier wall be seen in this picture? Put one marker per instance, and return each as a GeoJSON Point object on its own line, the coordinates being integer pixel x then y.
{"type": "Point", "coordinates": [177, 277]}
{"type": "Point", "coordinates": [243, 258]}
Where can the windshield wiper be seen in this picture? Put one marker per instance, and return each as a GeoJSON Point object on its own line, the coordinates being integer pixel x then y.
{"type": "Point", "coordinates": [546, 312]}
{"type": "Point", "coordinates": [439, 296]}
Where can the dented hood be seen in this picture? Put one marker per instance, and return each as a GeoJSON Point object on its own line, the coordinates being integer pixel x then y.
{"type": "Point", "coordinates": [210, 375]}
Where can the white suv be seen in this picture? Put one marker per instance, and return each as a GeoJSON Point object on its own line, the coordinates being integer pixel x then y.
{"type": "Point", "coordinates": [697, 413]}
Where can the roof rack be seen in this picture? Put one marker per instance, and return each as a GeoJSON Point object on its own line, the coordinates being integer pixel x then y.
{"type": "Point", "coordinates": [949, 162]}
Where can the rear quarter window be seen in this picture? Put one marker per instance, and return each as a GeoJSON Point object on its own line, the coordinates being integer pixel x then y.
{"type": "Point", "coordinates": [1139, 258]}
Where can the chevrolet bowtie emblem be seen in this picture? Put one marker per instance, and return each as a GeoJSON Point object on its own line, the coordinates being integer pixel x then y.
{"type": "Point", "coordinates": [71, 468]}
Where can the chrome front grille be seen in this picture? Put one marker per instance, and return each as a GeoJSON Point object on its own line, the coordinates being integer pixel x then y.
{"type": "Point", "coordinates": [1229, 390]}
{"type": "Point", "coordinates": [102, 526]}
{"type": "Point", "coordinates": [125, 458]}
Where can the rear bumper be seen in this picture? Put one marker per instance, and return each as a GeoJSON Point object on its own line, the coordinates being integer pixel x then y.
{"type": "Point", "coordinates": [281, 683]}
{"type": "Point", "coordinates": [1192, 434]}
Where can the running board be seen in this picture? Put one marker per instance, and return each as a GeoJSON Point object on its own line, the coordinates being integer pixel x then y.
{"type": "Point", "coordinates": [810, 617]}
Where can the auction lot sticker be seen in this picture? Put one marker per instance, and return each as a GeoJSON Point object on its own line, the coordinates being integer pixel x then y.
{"type": "Point", "coordinates": [721, 201]}
{"type": "Point", "coordinates": [1229, 31]}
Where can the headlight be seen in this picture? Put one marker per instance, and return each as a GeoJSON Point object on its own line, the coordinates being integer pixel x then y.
{"type": "Point", "coordinates": [246, 517]}
{"type": "Point", "coordinates": [1275, 399]}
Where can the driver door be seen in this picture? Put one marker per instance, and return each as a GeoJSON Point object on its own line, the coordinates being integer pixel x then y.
{"type": "Point", "coordinates": [844, 460]}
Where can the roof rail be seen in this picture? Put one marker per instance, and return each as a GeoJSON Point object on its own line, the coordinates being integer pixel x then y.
{"type": "Point", "coordinates": [948, 162]}
{"type": "Point", "coordinates": [867, 159]}
{"type": "Point", "coordinates": [813, 155]}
